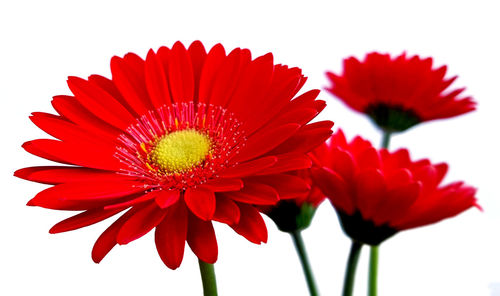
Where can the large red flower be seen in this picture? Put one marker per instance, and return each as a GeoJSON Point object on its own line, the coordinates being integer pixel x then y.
{"type": "Point", "coordinates": [377, 193]}
{"type": "Point", "coordinates": [400, 92]}
{"type": "Point", "coordinates": [177, 141]}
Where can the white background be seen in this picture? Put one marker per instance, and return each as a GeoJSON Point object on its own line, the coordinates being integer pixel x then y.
{"type": "Point", "coordinates": [43, 42]}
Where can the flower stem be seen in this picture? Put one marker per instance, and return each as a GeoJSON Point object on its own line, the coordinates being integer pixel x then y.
{"type": "Point", "coordinates": [208, 278]}
{"type": "Point", "coordinates": [350, 271]}
{"type": "Point", "coordinates": [386, 139]}
{"type": "Point", "coordinates": [301, 251]}
{"type": "Point", "coordinates": [372, 276]}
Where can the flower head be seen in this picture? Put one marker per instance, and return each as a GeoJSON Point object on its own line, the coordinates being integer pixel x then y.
{"type": "Point", "coordinates": [297, 212]}
{"type": "Point", "coordinates": [398, 93]}
{"type": "Point", "coordinates": [377, 193]}
{"type": "Point", "coordinates": [174, 142]}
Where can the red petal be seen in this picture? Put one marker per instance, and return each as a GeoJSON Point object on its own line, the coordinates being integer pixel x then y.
{"type": "Point", "coordinates": [100, 103]}
{"type": "Point", "coordinates": [369, 158]}
{"type": "Point", "coordinates": [343, 163]}
{"type": "Point", "coordinates": [249, 168]}
{"type": "Point", "coordinates": [252, 87]}
{"type": "Point", "coordinates": [166, 198]}
{"type": "Point", "coordinates": [255, 193]}
{"type": "Point", "coordinates": [136, 199]}
{"type": "Point", "coordinates": [299, 116]}
{"type": "Point", "coordinates": [43, 147]}
{"type": "Point", "coordinates": [251, 225]}
{"type": "Point", "coordinates": [208, 74]}
{"type": "Point", "coordinates": [107, 240]}
{"type": "Point", "coordinates": [198, 55]}
{"type": "Point", "coordinates": [265, 141]}
{"type": "Point", "coordinates": [71, 109]}
{"type": "Point", "coordinates": [66, 131]}
{"type": "Point", "coordinates": [370, 191]}
{"type": "Point", "coordinates": [284, 85]}
{"type": "Point", "coordinates": [83, 219]}
{"type": "Point", "coordinates": [447, 202]}
{"type": "Point", "coordinates": [227, 77]}
{"type": "Point", "coordinates": [306, 139]}
{"type": "Point", "coordinates": [286, 163]}
{"type": "Point", "coordinates": [442, 169]}
{"type": "Point", "coordinates": [399, 178]}
{"type": "Point", "coordinates": [170, 235]}
{"type": "Point", "coordinates": [93, 191]}
{"type": "Point", "coordinates": [303, 101]}
{"type": "Point", "coordinates": [201, 202]}
{"type": "Point", "coordinates": [83, 155]}
{"type": "Point", "coordinates": [108, 85]}
{"type": "Point", "coordinates": [140, 223]}
{"type": "Point", "coordinates": [69, 205]}
{"type": "Point", "coordinates": [59, 174]}
{"type": "Point", "coordinates": [180, 74]}
{"type": "Point", "coordinates": [201, 239]}
{"type": "Point", "coordinates": [287, 186]}
{"type": "Point", "coordinates": [397, 203]}
{"type": "Point", "coordinates": [128, 76]}
{"type": "Point", "coordinates": [226, 211]}
{"type": "Point", "coordinates": [335, 188]}
{"type": "Point", "coordinates": [156, 81]}
{"type": "Point", "coordinates": [223, 185]}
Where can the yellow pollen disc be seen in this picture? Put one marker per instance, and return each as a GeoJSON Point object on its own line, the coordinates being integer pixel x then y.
{"type": "Point", "coordinates": [180, 150]}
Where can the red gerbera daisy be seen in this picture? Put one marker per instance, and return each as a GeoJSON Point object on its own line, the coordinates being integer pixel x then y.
{"type": "Point", "coordinates": [295, 213]}
{"type": "Point", "coordinates": [177, 141]}
{"type": "Point", "coordinates": [398, 93]}
{"type": "Point", "coordinates": [377, 193]}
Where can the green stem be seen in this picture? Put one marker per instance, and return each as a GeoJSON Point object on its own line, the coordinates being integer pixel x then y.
{"type": "Point", "coordinates": [350, 271]}
{"type": "Point", "coordinates": [306, 268]}
{"type": "Point", "coordinates": [386, 139]}
{"type": "Point", "coordinates": [372, 276]}
{"type": "Point", "coordinates": [208, 278]}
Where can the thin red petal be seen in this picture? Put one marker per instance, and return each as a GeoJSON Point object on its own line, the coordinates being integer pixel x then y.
{"type": "Point", "coordinates": [335, 188]}
{"type": "Point", "coordinates": [287, 186]}
{"type": "Point", "coordinates": [255, 193]}
{"type": "Point", "coordinates": [156, 81]}
{"type": "Point", "coordinates": [171, 234]}
{"type": "Point", "coordinates": [201, 239]}
{"type": "Point", "coordinates": [107, 240]}
{"type": "Point", "coordinates": [249, 168]}
{"type": "Point", "coordinates": [83, 219]}
{"type": "Point", "coordinates": [265, 141]}
{"type": "Point", "coordinates": [223, 185]}
{"type": "Point", "coordinates": [140, 223]}
{"type": "Point", "coordinates": [59, 174]}
{"type": "Point", "coordinates": [251, 225]}
{"type": "Point", "coordinates": [226, 211]}
{"type": "Point", "coordinates": [166, 198]}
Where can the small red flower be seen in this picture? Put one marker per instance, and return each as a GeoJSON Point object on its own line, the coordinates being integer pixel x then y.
{"type": "Point", "coordinates": [398, 93]}
{"type": "Point", "coordinates": [296, 213]}
{"type": "Point", "coordinates": [377, 193]}
{"type": "Point", "coordinates": [177, 140]}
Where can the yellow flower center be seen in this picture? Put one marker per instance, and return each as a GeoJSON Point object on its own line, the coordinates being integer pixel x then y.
{"type": "Point", "coordinates": [181, 150]}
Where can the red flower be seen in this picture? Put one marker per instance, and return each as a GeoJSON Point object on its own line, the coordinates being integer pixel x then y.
{"type": "Point", "coordinates": [398, 93]}
{"type": "Point", "coordinates": [377, 193]}
{"type": "Point", "coordinates": [297, 212]}
{"type": "Point", "coordinates": [181, 139]}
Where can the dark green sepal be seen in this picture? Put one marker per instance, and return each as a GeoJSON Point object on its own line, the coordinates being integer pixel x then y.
{"type": "Point", "coordinates": [289, 217]}
{"type": "Point", "coordinates": [392, 118]}
{"type": "Point", "coordinates": [364, 231]}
